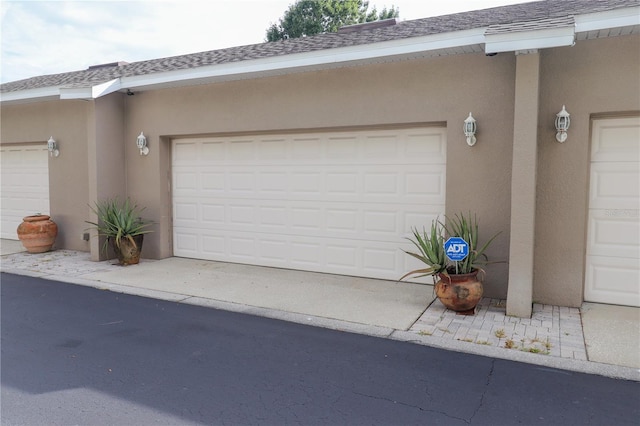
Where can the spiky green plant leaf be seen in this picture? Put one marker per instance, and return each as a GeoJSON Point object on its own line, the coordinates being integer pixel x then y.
{"type": "Point", "coordinates": [431, 247]}
{"type": "Point", "coordinates": [119, 220]}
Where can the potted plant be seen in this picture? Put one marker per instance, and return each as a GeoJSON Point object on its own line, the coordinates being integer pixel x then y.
{"type": "Point", "coordinates": [124, 229]}
{"type": "Point", "coordinates": [458, 287]}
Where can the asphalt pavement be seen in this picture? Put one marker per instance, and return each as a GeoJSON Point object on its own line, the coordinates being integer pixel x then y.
{"type": "Point", "coordinates": [597, 339]}
{"type": "Point", "coordinates": [79, 355]}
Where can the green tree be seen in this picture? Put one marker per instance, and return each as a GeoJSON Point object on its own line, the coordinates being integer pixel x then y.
{"type": "Point", "coordinates": [309, 17]}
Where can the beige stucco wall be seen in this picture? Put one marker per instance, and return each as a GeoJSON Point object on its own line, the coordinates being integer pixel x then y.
{"type": "Point", "coordinates": [99, 158]}
{"type": "Point", "coordinates": [66, 121]}
{"type": "Point", "coordinates": [439, 90]}
{"type": "Point", "coordinates": [593, 77]}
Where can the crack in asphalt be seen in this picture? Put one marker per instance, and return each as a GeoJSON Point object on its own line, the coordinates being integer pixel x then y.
{"type": "Point", "coordinates": [486, 388]}
{"type": "Point", "coordinates": [411, 406]}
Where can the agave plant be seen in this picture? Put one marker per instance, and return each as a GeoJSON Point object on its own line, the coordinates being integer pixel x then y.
{"type": "Point", "coordinates": [431, 251]}
{"type": "Point", "coordinates": [119, 220]}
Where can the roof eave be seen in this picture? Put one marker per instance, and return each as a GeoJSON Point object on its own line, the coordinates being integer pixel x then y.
{"type": "Point", "coordinates": [93, 92]}
{"type": "Point", "coordinates": [530, 40]}
{"type": "Point", "coordinates": [31, 95]}
{"type": "Point", "coordinates": [561, 35]}
{"type": "Point", "coordinates": [316, 60]}
{"type": "Point", "coordinates": [407, 48]}
{"type": "Point", "coordinates": [610, 19]}
{"type": "Point", "coordinates": [61, 92]}
{"type": "Point", "coordinates": [411, 47]}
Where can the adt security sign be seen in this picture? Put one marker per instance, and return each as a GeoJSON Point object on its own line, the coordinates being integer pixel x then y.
{"type": "Point", "coordinates": [456, 249]}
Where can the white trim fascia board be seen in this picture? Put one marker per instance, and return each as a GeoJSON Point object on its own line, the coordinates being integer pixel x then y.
{"type": "Point", "coordinates": [106, 88]}
{"type": "Point", "coordinates": [534, 39]}
{"type": "Point", "coordinates": [75, 93]}
{"type": "Point", "coordinates": [52, 93]}
{"type": "Point", "coordinates": [44, 93]}
{"type": "Point", "coordinates": [92, 92]}
{"type": "Point", "coordinates": [413, 45]}
{"type": "Point", "coordinates": [609, 19]}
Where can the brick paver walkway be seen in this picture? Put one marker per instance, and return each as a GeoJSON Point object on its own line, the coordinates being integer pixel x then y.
{"type": "Point", "coordinates": [552, 330]}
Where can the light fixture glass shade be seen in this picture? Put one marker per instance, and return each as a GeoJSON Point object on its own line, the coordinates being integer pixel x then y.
{"type": "Point", "coordinates": [141, 143]}
{"type": "Point", "coordinates": [562, 125]}
{"type": "Point", "coordinates": [52, 146]}
{"type": "Point", "coordinates": [470, 128]}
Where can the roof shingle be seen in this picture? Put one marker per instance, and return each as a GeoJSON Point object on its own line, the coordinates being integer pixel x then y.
{"type": "Point", "coordinates": [550, 11]}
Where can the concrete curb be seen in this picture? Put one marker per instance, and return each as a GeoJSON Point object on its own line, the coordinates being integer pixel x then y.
{"type": "Point", "coordinates": [578, 366]}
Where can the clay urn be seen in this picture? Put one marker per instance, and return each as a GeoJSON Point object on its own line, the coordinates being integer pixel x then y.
{"type": "Point", "coordinates": [37, 233]}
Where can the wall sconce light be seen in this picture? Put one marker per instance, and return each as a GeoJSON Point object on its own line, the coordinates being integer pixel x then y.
{"type": "Point", "coordinates": [141, 142]}
{"type": "Point", "coordinates": [52, 146]}
{"type": "Point", "coordinates": [562, 125]}
{"type": "Point", "coordinates": [470, 128]}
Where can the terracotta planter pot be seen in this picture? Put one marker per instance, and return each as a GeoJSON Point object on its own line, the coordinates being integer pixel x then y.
{"type": "Point", "coordinates": [128, 253]}
{"type": "Point", "coordinates": [37, 233]}
{"type": "Point", "coordinates": [460, 293]}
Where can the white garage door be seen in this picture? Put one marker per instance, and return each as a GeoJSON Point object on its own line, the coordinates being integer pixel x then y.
{"type": "Point", "coordinates": [24, 185]}
{"type": "Point", "coordinates": [613, 247]}
{"type": "Point", "coordinates": [327, 202]}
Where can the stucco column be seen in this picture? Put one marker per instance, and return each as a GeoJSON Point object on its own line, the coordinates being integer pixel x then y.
{"type": "Point", "coordinates": [523, 184]}
{"type": "Point", "coordinates": [106, 159]}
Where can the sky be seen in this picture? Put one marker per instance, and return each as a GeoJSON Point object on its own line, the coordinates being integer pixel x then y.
{"type": "Point", "coordinates": [49, 37]}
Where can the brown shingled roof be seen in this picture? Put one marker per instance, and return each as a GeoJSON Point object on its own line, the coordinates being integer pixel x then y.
{"type": "Point", "coordinates": [533, 11]}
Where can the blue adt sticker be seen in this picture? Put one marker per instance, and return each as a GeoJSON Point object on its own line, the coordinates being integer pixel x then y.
{"type": "Point", "coordinates": [456, 249]}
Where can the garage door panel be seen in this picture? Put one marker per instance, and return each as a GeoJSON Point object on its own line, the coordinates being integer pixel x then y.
{"type": "Point", "coordinates": [411, 183]}
{"type": "Point", "coordinates": [416, 217]}
{"type": "Point", "coordinates": [213, 214]}
{"type": "Point", "coordinates": [426, 147]}
{"type": "Point", "coordinates": [273, 218]}
{"type": "Point", "coordinates": [270, 150]}
{"type": "Point", "coordinates": [430, 186]}
{"type": "Point", "coordinates": [613, 234]}
{"type": "Point", "coordinates": [341, 147]}
{"type": "Point", "coordinates": [24, 185]}
{"type": "Point", "coordinates": [306, 255]}
{"type": "Point", "coordinates": [213, 246]}
{"type": "Point", "coordinates": [185, 151]}
{"type": "Point", "coordinates": [187, 243]}
{"type": "Point", "coordinates": [306, 184]}
{"type": "Point", "coordinates": [337, 202]}
{"type": "Point", "coordinates": [615, 185]}
{"type": "Point", "coordinates": [272, 182]}
{"type": "Point", "coordinates": [342, 257]}
{"type": "Point", "coordinates": [614, 280]}
{"type": "Point", "coordinates": [612, 273]}
{"type": "Point", "coordinates": [615, 140]}
{"type": "Point", "coordinates": [274, 250]}
{"type": "Point", "coordinates": [375, 220]}
{"type": "Point", "coordinates": [380, 221]}
{"type": "Point", "coordinates": [382, 260]}
{"type": "Point", "coordinates": [185, 180]}
{"type": "Point", "coordinates": [413, 146]}
{"type": "Point", "coordinates": [240, 150]}
{"type": "Point", "coordinates": [379, 148]}
{"type": "Point", "coordinates": [185, 210]}
{"type": "Point", "coordinates": [342, 220]}
{"type": "Point", "coordinates": [241, 215]}
{"type": "Point", "coordinates": [242, 249]}
{"type": "Point", "coordinates": [212, 181]}
{"type": "Point", "coordinates": [375, 259]}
